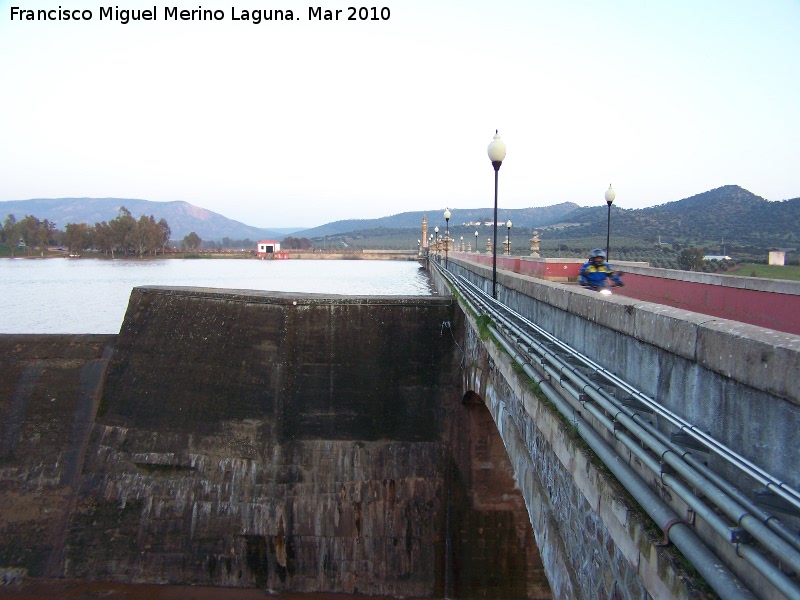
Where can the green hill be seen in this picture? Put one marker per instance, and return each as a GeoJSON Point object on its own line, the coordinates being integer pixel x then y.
{"type": "Point", "coordinates": [728, 220]}
{"type": "Point", "coordinates": [728, 213]}
{"type": "Point", "coordinates": [527, 217]}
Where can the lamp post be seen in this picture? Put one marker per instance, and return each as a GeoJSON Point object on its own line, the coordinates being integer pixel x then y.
{"type": "Point", "coordinates": [476, 241]}
{"type": "Point", "coordinates": [508, 237]}
{"type": "Point", "coordinates": [497, 152]}
{"type": "Point", "coordinates": [447, 235]}
{"type": "Point", "coordinates": [610, 195]}
{"type": "Point", "coordinates": [436, 237]}
{"type": "Point", "coordinates": [462, 243]}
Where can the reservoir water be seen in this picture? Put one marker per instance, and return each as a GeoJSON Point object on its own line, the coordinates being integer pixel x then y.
{"type": "Point", "coordinates": [91, 295]}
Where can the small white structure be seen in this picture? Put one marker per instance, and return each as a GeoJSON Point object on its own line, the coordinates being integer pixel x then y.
{"type": "Point", "coordinates": [716, 257]}
{"type": "Point", "coordinates": [266, 247]}
{"type": "Point", "coordinates": [777, 257]}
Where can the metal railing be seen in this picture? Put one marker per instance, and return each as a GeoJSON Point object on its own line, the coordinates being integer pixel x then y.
{"type": "Point", "coordinates": [620, 411]}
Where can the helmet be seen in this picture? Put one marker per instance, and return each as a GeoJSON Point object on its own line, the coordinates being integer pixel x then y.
{"type": "Point", "coordinates": [598, 252]}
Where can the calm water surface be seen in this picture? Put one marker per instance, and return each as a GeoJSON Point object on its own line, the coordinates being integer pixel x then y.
{"type": "Point", "coordinates": [58, 295]}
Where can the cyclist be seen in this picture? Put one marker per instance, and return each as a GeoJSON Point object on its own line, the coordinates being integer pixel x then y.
{"type": "Point", "coordinates": [595, 273]}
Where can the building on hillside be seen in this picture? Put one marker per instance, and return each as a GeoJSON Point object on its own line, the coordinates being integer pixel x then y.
{"type": "Point", "coordinates": [267, 248]}
{"type": "Point", "coordinates": [716, 257]}
{"type": "Point", "coordinates": [777, 257]}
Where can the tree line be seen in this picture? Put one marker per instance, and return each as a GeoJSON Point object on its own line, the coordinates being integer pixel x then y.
{"type": "Point", "coordinates": [122, 235]}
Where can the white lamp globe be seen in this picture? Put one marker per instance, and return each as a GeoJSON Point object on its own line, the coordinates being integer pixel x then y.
{"type": "Point", "coordinates": [497, 149]}
{"type": "Point", "coordinates": [610, 194]}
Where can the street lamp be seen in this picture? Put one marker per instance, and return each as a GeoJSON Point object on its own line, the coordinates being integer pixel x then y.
{"type": "Point", "coordinates": [610, 195]}
{"type": "Point", "coordinates": [436, 238]}
{"type": "Point", "coordinates": [508, 224]}
{"type": "Point", "coordinates": [462, 243]}
{"type": "Point", "coordinates": [447, 235]}
{"type": "Point", "coordinates": [497, 152]}
{"type": "Point", "coordinates": [476, 241]}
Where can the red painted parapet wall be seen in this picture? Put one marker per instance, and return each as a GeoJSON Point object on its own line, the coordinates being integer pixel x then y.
{"type": "Point", "coordinates": [766, 303]}
{"type": "Point", "coordinates": [552, 269]}
{"type": "Point", "coordinates": [774, 304]}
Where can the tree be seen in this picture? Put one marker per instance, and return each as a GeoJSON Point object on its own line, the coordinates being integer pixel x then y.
{"type": "Point", "coordinates": [11, 232]}
{"type": "Point", "coordinates": [163, 234]}
{"type": "Point", "coordinates": [104, 238]}
{"type": "Point", "coordinates": [123, 231]}
{"type": "Point", "coordinates": [192, 241]}
{"type": "Point", "coordinates": [691, 259]}
{"type": "Point", "coordinates": [77, 237]}
{"type": "Point", "coordinates": [33, 232]}
{"type": "Point", "coordinates": [148, 235]}
{"type": "Point", "coordinates": [292, 243]}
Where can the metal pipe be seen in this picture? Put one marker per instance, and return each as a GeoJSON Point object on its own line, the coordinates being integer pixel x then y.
{"type": "Point", "coordinates": [740, 514]}
{"type": "Point", "coordinates": [706, 562]}
{"type": "Point", "coordinates": [767, 569]}
{"type": "Point", "coordinates": [767, 519]}
{"type": "Point", "coordinates": [747, 467]}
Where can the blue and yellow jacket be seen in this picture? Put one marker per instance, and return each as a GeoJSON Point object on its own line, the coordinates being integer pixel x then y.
{"type": "Point", "coordinates": [595, 275]}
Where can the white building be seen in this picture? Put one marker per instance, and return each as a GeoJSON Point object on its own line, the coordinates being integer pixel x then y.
{"type": "Point", "coordinates": [777, 257]}
{"type": "Point", "coordinates": [266, 247]}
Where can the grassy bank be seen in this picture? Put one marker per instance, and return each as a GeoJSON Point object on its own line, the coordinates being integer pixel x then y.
{"type": "Point", "coordinates": [790, 272]}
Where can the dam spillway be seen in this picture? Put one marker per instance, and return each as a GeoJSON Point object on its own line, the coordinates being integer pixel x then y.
{"type": "Point", "coordinates": [259, 439]}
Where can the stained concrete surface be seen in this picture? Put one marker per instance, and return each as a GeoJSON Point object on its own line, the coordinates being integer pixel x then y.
{"type": "Point", "coordinates": [240, 439]}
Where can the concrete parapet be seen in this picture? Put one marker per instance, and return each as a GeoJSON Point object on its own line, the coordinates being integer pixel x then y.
{"type": "Point", "coordinates": [732, 350]}
{"type": "Point", "coordinates": [680, 326]}
{"type": "Point", "coordinates": [764, 359]}
{"type": "Point", "coordinates": [763, 302]}
{"type": "Point", "coordinates": [734, 380]}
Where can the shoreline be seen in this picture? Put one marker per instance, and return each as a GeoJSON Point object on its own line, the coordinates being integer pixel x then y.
{"type": "Point", "coordinates": [289, 255]}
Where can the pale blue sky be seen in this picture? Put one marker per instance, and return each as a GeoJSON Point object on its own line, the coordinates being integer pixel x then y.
{"type": "Point", "coordinates": [301, 123]}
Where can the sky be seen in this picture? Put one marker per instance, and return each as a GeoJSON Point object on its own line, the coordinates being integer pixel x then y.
{"type": "Point", "coordinates": [303, 122]}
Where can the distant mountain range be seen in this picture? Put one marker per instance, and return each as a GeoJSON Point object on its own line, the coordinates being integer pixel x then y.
{"type": "Point", "coordinates": [728, 212]}
{"type": "Point", "coordinates": [524, 217]}
{"type": "Point", "coordinates": [183, 218]}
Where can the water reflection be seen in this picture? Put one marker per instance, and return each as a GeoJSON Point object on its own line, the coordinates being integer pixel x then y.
{"type": "Point", "coordinates": [91, 295]}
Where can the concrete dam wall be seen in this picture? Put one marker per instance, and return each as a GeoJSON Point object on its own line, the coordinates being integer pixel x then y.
{"type": "Point", "coordinates": [721, 375]}
{"type": "Point", "coordinates": [252, 439]}
{"type": "Point", "coordinates": [735, 380]}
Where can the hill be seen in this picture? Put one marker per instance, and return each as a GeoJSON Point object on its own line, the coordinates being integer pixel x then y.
{"type": "Point", "coordinates": [726, 220]}
{"type": "Point", "coordinates": [183, 218]}
{"type": "Point", "coordinates": [525, 217]}
{"type": "Point", "coordinates": [727, 214]}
